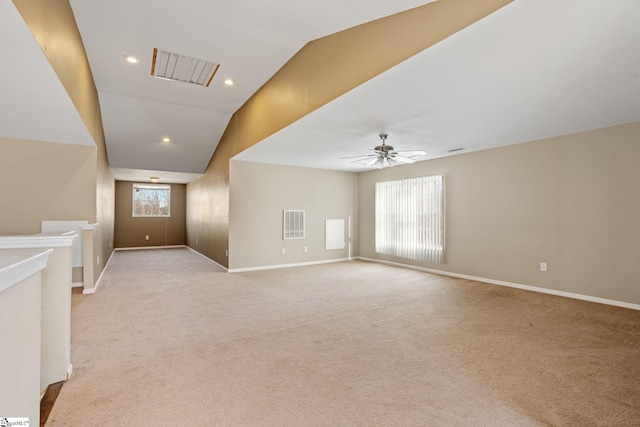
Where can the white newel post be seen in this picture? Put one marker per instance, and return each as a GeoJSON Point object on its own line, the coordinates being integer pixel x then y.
{"type": "Point", "coordinates": [20, 331]}
{"type": "Point", "coordinates": [55, 348]}
{"type": "Point", "coordinates": [88, 258]}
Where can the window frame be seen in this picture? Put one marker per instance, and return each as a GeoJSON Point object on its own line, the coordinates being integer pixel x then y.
{"type": "Point", "coordinates": [409, 223]}
{"type": "Point", "coordinates": [146, 186]}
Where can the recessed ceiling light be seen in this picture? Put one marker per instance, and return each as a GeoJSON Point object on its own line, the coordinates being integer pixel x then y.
{"type": "Point", "coordinates": [132, 59]}
{"type": "Point", "coordinates": [228, 82]}
{"type": "Point", "coordinates": [166, 139]}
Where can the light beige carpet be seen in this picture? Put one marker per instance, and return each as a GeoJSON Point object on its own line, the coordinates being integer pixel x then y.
{"type": "Point", "coordinates": [170, 340]}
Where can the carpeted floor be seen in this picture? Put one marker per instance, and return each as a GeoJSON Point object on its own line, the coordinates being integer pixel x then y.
{"type": "Point", "coordinates": [171, 340]}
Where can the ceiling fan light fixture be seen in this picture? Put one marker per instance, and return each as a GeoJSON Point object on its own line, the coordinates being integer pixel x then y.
{"type": "Point", "coordinates": [384, 156]}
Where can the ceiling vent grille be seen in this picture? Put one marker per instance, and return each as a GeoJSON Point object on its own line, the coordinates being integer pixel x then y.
{"type": "Point", "coordinates": [171, 66]}
{"type": "Point", "coordinates": [293, 224]}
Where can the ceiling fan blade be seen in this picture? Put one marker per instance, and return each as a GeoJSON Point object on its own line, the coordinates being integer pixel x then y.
{"type": "Point", "coordinates": [403, 159]}
{"type": "Point", "coordinates": [360, 161]}
{"type": "Point", "coordinates": [355, 157]}
{"type": "Point", "coordinates": [413, 153]}
{"type": "Point", "coordinates": [373, 161]}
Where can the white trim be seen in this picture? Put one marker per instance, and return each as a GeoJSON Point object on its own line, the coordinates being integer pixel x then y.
{"type": "Point", "coordinates": [93, 226]}
{"type": "Point", "coordinates": [273, 267]}
{"type": "Point", "coordinates": [511, 285]}
{"type": "Point", "coordinates": [20, 264]}
{"type": "Point", "coordinates": [207, 258]}
{"type": "Point", "coordinates": [141, 248]}
{"type": "Point", "coordinates": [43, 240]}
{"type": "Point", "coordinates": [69, 371]}
{"type": "Point", "coordinates": [77, 284]}
{"type": "Point", "coordinates": [95, 287]}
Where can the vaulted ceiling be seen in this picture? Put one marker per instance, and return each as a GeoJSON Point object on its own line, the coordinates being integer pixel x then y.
{"type": "Point", "coordinates": [34, 105]}
{"type": "Point", "coordinates": [533, 69]}
{"type": "Point", "coordinates": [250, 39]}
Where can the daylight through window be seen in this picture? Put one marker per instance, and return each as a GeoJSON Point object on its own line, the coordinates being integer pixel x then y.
{"type": "Point", "coordinates": [410, 218]}
{"type": "Point", "coordinates": [151, 200]}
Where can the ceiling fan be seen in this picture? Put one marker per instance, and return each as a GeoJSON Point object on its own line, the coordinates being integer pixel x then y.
{"type": "Point", "coordinates": [385, 156]}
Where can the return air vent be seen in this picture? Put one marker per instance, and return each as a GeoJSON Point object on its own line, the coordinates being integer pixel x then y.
{"type": "Point", "coordinates": [171, 66]}
{"type": "Point", "coordinates": [293, 225]}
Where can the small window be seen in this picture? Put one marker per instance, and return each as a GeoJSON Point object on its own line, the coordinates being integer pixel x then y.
{"type": "Point", "coordinates": [151, 200]}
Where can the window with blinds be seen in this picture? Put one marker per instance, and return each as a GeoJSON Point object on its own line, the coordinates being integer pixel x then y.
{"type": "Point", "coordinates": [410, 218]}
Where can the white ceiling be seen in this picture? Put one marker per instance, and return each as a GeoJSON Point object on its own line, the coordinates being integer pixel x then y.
{"type": "Point", "coordinates": [533, 69]}
{"type": "Point", "coordinates": [251, 39]}
{"type": "Point", "coordinates": [33, 103]}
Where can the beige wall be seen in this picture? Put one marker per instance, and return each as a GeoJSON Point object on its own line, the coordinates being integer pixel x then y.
{"type": "Point", "coordinates": [53, 25]}
{"type": "Point", "coordinates": [320, 72]}
{"type": "Point", "coordinates": [570, 201]}
{"type": "Point", "coordinates": [259, 194]}
{"type": "Point", "coordinates": [45, 181]}
{"type": "Point", "coordinates": [131, 231]}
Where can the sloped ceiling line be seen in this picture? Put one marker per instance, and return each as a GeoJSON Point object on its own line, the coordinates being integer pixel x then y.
{"type": "Point", "coordinates": [333, 65]}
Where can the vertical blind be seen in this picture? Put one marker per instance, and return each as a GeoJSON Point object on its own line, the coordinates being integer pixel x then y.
{"type": "Point", "coordinates": [410, 218]}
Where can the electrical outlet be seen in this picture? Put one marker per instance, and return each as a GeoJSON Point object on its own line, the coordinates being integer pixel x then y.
{"type": "Point", "coordinates": [306, 249]}
{"type": "Point", "coordinates": [226, 252]}
{"type": "Point", "coordinates": [98, 260]}
{"type": "Point", "coordinates": [543, 266]}
{"type": "Point", "coordinates": [282, 251]}
{"type": "Point", "coordinates": [146, 237]}
{"type": "Point", "coordinates": [196, 240]}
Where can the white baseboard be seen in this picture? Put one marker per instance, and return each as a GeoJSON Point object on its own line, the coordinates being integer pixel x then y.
{"type": "Point", "coordinates": [207, 258]}
{"type": "Point", "coordinates": [142, 248]}
{"type": "Point", "coordinates": [77, 284]}
{"type": "Point", "coordinates": [273, 267]}
{"type": "Point", "coordinates": [69, 371]}
{"type": "Point", "coordinates": [510, 285]}
{"type": "Point", "coordinates": [95, 287]}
